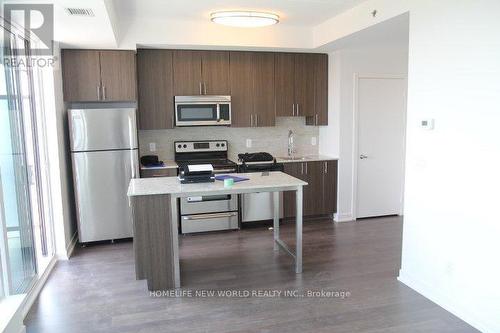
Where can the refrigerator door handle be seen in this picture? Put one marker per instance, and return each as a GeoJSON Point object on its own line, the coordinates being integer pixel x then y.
{"type": "Point", "coordinates": [135, 166]}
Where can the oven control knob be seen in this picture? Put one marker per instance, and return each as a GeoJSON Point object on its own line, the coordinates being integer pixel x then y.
{"type": "Point", "coordinates": [179, 146]}
{"type": "Point", "coordinates": [222, 144]}
{"type": "Point", "coordinates": [217, 145]}
{"type": "Point", "coordinates": [185, 146]}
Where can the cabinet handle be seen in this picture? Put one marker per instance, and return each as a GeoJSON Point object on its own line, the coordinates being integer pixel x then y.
{"type": "Point", "coordinates": [256, 120]}
{"type": "Point", "coordinates": [326, 167]}
{"type": "Point", "coordinates": [200, 88]}
{"type": "Point", "coordinates": [293, 109]}
{"type": "Point", "coordinates": [251, 120]}
{"type": "Point", "coordinates": [301, 168]}
{"type": "Point", "coordinates": [297, 109]}
{"type": "Point", "coordinates": [104, 92]}
{"type": "Point", "coordinates": [316, 119]}
{"type": "Point", "coordinates": [98, 92]}
{"type": "Point", "coordinates": [306, 169]}
{"type": "Point", "coordinates": [204, 88]}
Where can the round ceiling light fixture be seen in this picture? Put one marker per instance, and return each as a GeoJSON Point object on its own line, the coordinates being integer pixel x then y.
{"type": "Point", "coordinates": [245, 19]}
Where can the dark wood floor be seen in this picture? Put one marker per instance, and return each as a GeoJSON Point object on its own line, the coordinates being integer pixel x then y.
{"type": "Point", "coordinates": [96, 291]}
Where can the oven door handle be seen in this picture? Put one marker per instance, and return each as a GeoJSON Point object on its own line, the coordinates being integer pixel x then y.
{"type": "Point", "coordinates": [209, 216]}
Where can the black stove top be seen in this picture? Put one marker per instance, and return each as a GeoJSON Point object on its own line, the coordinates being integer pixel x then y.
{"type": "Point", "coordinates": [216, 163]}
{"type": "Point", "coordinates": [256, 157]}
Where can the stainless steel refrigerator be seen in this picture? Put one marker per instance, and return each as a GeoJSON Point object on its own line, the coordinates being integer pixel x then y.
{"type": "Point", "coordinates": [105, 157]}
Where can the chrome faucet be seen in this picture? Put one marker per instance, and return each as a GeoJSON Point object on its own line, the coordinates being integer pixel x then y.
{"type": "Point", "coordinates": [291, 144]}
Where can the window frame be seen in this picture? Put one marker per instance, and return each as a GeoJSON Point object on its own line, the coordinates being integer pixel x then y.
{"type": "Point", "coordinates": [35, 114]}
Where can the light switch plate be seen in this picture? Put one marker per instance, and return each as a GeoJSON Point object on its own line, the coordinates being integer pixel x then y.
{"type": "Point", "coordinates": [152, 146]}
{"type": "Point", "coordinates": [427, 124]}
{"type": "Point", "coordinates": [249, 143]}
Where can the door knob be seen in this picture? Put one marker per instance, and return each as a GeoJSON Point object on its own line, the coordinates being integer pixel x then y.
{"type": "Point", "coordinates": [362, 157]}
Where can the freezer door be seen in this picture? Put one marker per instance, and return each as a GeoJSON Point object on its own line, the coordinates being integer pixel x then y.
{"type": "Point", "coordinates": [101, 181]}
{"type": "Point", "coordinates": [102, 129]}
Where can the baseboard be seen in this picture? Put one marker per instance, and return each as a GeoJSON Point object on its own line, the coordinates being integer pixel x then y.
{"type": "Point", "coordinates": [337, 217]}
{"type": "Point", "coordinates": [37, 287]}
{"type": "Point", "coordinates": [69, 248]}
{"type": "Point", "coordinates": [447, 303]}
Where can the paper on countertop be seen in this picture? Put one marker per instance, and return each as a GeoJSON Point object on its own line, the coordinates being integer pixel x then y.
{"type": "Point", "coordinates": [200, 167]}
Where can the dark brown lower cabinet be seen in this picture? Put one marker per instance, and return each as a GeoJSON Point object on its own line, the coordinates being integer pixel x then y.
{"type": "Point", "coordinates": [150, 173]}
{"type": "Point", "coordinates": [330, 187]}
{"type": "Point", "coordinates": [320, 195]}
{"type": "Point", "coordinates": [293, 169]}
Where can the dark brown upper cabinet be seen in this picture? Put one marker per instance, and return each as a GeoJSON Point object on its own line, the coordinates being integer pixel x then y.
{"type": "Point", "coordinates": [187, 73]}
{"type": "Point", "coordinates": [304, 84]}
{"type": "Point", "coordinates": [215, 72]}
{"type": "Point", "coordinates": [252, 89]}
{"type": "Point", "coordinates": [91, 75]}
{"type": "Point", "coordinates": [294, 84]}
{"type": "Point", "coordinates": [300, 86]}
{"type": "Point", "coordinates": [155, 86]}
{"type": "Point", "coordinates": [201, 72]}
{"type": "Point", "coordinates": [320, 114]}
{"type": "Point", "coordinates": [241, 82]}
{"type": "Point", "coordinates": [284, 84]}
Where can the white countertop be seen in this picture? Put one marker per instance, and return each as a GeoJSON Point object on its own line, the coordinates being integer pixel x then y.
{"type": "Point", "coordinates": [299, 158]}
{"type": "Point", "coordinates": [306, 158]}
{"type": "Point", "coordinates": [275, 181]}
{"type": "Point", "coordinates": [170, 164]}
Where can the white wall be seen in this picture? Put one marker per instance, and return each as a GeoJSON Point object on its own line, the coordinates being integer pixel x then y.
{"type": "Point", "coordinates": [337, 138]}
{"type": "Point", "coordinates": [451, 239]}
{"type": "Point", "coordinates": [60, 168]}
{"type": "Point", "coordinates": [451, 228]}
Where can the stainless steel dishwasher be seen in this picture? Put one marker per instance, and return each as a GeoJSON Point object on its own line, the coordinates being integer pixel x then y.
{"type": "Point", "coordinates": [258, 206]}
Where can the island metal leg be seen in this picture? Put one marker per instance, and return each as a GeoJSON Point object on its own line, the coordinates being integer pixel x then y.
{"type": "Point", "coordinates": [278, 243]}
{"type": "Point", "coordinates": [276, 219]}
{"type": "Point", "coordinates": [298, 231]}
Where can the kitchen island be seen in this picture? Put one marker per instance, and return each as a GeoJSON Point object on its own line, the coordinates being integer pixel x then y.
{"type": "Point", "coordinates": [155, 208]}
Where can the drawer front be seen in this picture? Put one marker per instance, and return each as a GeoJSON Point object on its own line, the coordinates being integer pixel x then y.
{"type": "Point", "coordinates": [149, 173]}
{"type": "Point", "coordinates": [209, 204]}
{"type": "Point", "coordinates": [209, 222]}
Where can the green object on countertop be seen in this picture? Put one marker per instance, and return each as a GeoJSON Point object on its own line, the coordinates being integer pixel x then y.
{"type": "Point", "coordinates": [228, 182]}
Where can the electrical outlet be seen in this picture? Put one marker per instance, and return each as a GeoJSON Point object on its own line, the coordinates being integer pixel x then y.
{"type": "Point", "coordinates": [249, 143]}
{"type": "Point", "coordinates": [152, 146]}
{"type": "Point", "coordinates": [314, 141]}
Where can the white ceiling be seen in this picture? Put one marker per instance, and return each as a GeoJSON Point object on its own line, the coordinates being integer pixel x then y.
{"type": "Point", "coordinates": [390, 33]}
{"type": "Point", "coordinates": [185, 23]}
{"type": "Point", "coordinates": [292, 12]}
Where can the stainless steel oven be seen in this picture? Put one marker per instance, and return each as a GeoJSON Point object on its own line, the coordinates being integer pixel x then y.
{"type": "Point", "coordinates": [202, 110]}
{"type": "Point", "coordinates": [209, 213]}
{"type": "Point", "coordinates": [213, 212]}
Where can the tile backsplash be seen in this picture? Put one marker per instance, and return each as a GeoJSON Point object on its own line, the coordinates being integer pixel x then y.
{"type": "Point", "coordinates": [273, 140]}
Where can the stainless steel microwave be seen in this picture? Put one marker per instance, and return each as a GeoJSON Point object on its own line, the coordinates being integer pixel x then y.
{"type": "Point", "coordinates": [202, 110]}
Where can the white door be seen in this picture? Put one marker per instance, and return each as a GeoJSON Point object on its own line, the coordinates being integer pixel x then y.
{"type": "Point", "coordinates": [381, 146]}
